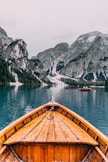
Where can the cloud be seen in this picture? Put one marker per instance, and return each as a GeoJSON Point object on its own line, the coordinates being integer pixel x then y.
{"type": "Point", "coordinates": [42, 24]}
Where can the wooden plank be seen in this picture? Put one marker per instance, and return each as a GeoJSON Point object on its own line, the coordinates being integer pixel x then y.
{"type": "Point", "coordinates": [80, 134]}
{"type": "Point", "coordinates": [32, 136]}
{"type": "Point", "coordinates": [19, 125]}
{"type": "Point", "coordinates": [85, 150]}
{"type": "Point", "coordinates": [19, 148]}
{"type": "Point", "coordinates": [59, 135]}
{"type": "Point", "coordinates": [78, 152]}
{"type": "Point", "coordinates": [43, 132]}
{"type": "Point", "coordinates": [24, 131]}
{"type": "Point", "coordinates": [24, 153]}
{"type": "Point", "coordinates": [65, 153]}
{"type": "Point", "coordinates": [51, 153]}
{"type": "Point", "coordinates": [78, 149]}
{"type": "Point", "coordinates": [10, 158]}
{"type": "Point", "coordinates": [4, 155]}
{"type": "Point", "coordinates": [30, 151]}
{"type": "Point", "coordinates": [58, 152]}
{"type": "Point", "coordinates": [69, 135]}
{"type": "Point", "coordinates": [67, 131]}
{"type": "Point", "coordinates": [37, 153]}
{"type": "Point", "coordinates": [44, 152]}
{"type": "Point", "coordinates": [10, 132]}
{"type": "Point", "coordinates": [72, 152]}
{"type": "Point", "coordinates": [101, 154]}
{"type": "Point", "coordinates": [51, 132]}
{"type": "Point", "coordinates": [3, 149]}
{"type": "Point", "coordinates": [2, 139]}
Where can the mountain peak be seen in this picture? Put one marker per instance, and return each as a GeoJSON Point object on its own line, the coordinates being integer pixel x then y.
{"type": "Point", "coordinates": [2, 32]}
{"type": "Point", "coordinates": [89, 37]}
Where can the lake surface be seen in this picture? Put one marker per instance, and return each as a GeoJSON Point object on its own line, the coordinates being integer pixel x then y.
{"type": "Point", "coordinates": [17, 101]}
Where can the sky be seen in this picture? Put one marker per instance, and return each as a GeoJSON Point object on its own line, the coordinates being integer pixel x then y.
{"type": "Point", "coordinates": [42, 24]}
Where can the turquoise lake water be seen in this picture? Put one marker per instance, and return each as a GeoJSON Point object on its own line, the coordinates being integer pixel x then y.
{"type": "Point", "coordinates": [17, 101]}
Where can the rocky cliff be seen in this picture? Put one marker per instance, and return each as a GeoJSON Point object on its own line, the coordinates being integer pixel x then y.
{"type": "Point", "coordinates": [85, 60]}
{"type": "Point", "coordinates": [14, 61]}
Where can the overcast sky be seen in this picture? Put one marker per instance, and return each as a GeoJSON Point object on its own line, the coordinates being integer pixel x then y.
{"type": "Point", "coordinates": [44, 23]}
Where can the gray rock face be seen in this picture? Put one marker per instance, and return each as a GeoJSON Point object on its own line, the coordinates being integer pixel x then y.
{"type": "Point", "coordinates": [15, 54]}
{"type": "Point", "coordinates": [48, 57]}
{"type": "Point", "coordinates": [13, 51]}
{"type": "Point", "coordinates": [86, 58]}
{"type": "Point", "coordinates": [4, 41]}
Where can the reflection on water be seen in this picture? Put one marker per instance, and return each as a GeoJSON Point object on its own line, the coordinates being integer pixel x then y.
{"type": "Point", "coordinates": [91, 105]}
{"type": "Point", "coordinates": [54, 93]}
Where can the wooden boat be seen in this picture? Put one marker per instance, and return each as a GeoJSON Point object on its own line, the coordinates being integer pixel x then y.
{"type": "Point", "coordinates": [52, 133]}
{"type": "Point", "coordinates": [85, 89]}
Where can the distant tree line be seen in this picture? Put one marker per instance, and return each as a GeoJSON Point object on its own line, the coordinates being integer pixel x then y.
{"type": "Point", "coordinates": [6, 77]}
{"type": "Point", "coordinates": [27, 78]}
{"type": "Point", "coordinates": [106, 82]}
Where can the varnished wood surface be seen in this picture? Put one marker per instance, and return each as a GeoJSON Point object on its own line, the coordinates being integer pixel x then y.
{"type": "Point", "coordinates": [48, 152]}
{"type": "Point", "coordinates": [9, 156]}
{"type": "Point", "coordinates": [57, 129]}
{"type": "Point", "coordinates": [53, 134]}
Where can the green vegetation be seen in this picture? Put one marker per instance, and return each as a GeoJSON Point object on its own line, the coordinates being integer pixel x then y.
{"type": "Point", "coordinates": [27, 78]}
{"type": "Point", "coordinates": [106, 83]}
{"type": "Point", "coordinates": [24, 77]}
{"type": "Point", "coordinates": [70, 82]}
{"type": "Point", "coordinates": [5, 76]}
{"type": "Point", "coordinates": [82, 83]}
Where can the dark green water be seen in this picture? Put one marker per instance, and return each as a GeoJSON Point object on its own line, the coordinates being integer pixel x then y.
{"type": "Point", "coordinates": [92, 105]}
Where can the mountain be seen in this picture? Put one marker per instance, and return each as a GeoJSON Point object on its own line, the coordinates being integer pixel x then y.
{"type": "Point", "coordinates": [14, 61]}
{"type": "Point", "coordinates": [84, 61]}
{"type": "Point", "coordinates": [87, 58]}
